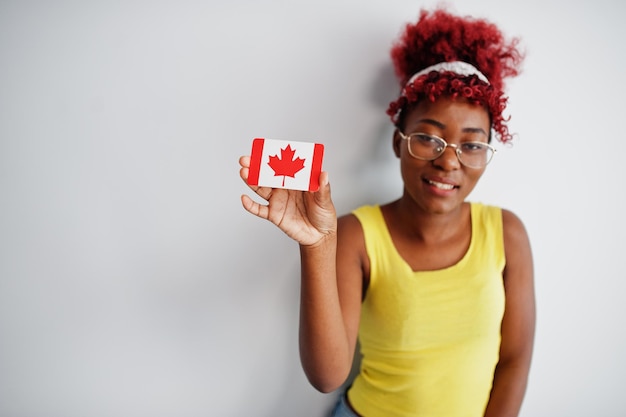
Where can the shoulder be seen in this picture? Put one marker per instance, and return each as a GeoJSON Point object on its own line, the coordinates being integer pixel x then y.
{"type": "Point", "coordinates": [513, 228]}
{"type": "Point", "coordinates": [515, 238]}
{"type": "Point", "coordinates": [354, 222]}
{"type": "Point", "coordinates": [512, 225]}
{"type": "Point", "coordinates": [351, 250]}
{"type": "Point", "coordinates": [350, 231]}
{"type": "Point", "coordinates": [349, 224]}
{"type": "Point", "coordinates": [516, 245]}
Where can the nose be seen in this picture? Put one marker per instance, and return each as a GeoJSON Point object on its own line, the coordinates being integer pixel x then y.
{"type": "Point", "coordinates": [448, 160]}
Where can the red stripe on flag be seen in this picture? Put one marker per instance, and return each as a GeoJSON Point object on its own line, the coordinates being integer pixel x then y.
{"type": "Point", "coordinates": [255, 161]}
{"type": "Point", "coordinates": [316, 167]}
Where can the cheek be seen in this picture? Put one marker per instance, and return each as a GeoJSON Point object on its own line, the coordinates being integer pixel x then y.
{"type": "Point", "coordinates": [476, 174]}
{"type": "Point", "coordinates": [410, 168]}
{"type": "Point", "coordinates": [473, 177]}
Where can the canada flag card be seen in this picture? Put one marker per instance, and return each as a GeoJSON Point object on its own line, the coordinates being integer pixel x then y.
{"type": "Point", "coordinates": [285, 164]}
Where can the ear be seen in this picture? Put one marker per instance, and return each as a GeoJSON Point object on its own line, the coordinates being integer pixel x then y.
{"type": "Point", "coordinates": [397, 143]}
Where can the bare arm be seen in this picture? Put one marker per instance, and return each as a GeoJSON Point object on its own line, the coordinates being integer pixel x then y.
{"type": "Point", "coordinates": [329, 307]}
{"type": "Point", "coordinates": [518, 324]}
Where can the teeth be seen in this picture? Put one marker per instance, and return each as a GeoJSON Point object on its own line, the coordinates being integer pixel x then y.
{"type": "Point", "coordinates": [441, 185]}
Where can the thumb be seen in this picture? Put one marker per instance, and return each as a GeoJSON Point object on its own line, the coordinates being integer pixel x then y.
{"type": "Point", "coordinates": [322, 196]}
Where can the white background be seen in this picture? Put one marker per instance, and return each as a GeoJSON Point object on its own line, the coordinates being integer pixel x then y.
{"type": "Point", "coordinates": [132, 283]}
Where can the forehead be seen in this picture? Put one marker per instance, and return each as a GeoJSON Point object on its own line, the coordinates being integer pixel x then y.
{"type": "Point", "coordinates": [448, 115]}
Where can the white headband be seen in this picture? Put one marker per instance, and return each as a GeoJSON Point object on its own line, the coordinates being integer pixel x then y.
{"type": "Point", "coordinates": [457, 67]}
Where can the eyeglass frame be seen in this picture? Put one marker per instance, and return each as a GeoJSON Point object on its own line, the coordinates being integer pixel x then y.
{"type": "Point", "coordinates": [457, 151]}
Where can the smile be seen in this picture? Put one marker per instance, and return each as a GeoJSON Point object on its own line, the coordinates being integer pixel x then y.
{"type": "Point", "coordinates": [441, 185]}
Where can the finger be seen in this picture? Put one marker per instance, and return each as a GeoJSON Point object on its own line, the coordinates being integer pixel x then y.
{"type": "Point", "coordinates": [322, 196]}
{"type": "Point", "coordinates": [244, 161]}
{"type": "Point", "coordinates": [324, 181]}
{"type": "Point", "coordinates": [244, 172]}
{"type": "Point", "coordinates": [263, 192]}
{"type": "Point", "coordinates": [254, 208]}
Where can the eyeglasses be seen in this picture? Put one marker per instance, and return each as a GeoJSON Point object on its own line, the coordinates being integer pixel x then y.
{"type": "Point", "coordinates": [429, 147]}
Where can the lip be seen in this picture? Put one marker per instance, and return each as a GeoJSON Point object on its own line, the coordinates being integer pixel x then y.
{"type": "Point", "coordinates": [439, 185]}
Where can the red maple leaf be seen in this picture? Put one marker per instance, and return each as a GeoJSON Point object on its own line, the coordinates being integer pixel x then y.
{"type": "Point", "coordinates": [286, 165]}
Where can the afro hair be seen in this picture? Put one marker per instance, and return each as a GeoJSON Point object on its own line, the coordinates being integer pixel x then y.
{"type": "Point", "coordinates": [439, 36]}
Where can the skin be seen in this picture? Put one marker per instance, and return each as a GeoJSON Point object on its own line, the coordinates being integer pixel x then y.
{"type": "Point", "coordinates": [431, 228]}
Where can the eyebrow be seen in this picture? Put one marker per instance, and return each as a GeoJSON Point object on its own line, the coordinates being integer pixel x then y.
{"type": "Point", "coordinates": [442, 126]}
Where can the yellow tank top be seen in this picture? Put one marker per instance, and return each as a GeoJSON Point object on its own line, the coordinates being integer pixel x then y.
{"type": "Point", "coordinates": [430, 340]}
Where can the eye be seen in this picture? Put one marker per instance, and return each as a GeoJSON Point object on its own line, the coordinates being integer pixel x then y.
{"type": "Point", "coordinates": [473, 147]}
{"type": "Point", "coordinates": [425, 139]}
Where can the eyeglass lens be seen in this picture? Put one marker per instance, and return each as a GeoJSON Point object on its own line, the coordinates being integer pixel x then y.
{"type": "Point", "coordinates": [471, 154]}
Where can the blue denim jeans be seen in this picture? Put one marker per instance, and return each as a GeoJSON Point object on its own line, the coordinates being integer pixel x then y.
{"type": "Point", "coordinates": [342, 409]}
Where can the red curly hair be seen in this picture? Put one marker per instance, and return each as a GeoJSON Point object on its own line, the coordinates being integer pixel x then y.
{"type": "Point", "coordinates": [440, 36]}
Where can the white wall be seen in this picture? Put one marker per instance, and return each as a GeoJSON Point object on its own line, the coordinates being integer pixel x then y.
{"type": "Point", "coordinates": [132, 283]}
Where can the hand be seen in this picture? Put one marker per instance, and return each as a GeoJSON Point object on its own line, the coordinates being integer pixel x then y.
{"type": "Point", "coordinates": [307, 217]}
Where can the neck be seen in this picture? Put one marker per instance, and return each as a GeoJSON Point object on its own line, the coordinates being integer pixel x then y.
{"type": "Point", "coordinates": [427, 226]}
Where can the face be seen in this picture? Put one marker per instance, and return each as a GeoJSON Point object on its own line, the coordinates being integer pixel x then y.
{"type": "Point", "coordinates": [441, 185]}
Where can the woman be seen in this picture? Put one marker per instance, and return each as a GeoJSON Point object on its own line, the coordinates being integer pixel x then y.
{"type": "Point", "coordinates": [438, 290]}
